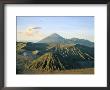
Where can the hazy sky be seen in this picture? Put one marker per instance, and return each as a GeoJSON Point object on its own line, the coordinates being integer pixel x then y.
{"type": "Point", "coordinates": [66, 26]}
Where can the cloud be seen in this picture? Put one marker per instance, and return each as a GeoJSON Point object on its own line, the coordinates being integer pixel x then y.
{"type": "Point", "coordinates": [30, 35]}
{"type": "Point", "coordinates": [36, 28]}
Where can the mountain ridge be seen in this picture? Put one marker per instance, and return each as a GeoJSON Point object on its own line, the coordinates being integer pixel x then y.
{"type": "Point", "coordinates": [61, 58]}
{"type": "Point", "coordinates": [56, 38]}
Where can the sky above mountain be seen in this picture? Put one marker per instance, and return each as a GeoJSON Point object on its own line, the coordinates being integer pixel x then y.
{"type": "Point", "coordinates": [30, 35]}
{"type": "Point", "coordinates": [31, 28]}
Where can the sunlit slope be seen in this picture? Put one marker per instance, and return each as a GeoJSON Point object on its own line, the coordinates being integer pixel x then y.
{"type": "Point", "coordinates": [62, 57]}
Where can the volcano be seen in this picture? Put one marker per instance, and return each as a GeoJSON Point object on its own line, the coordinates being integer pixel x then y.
{"type": "Point", "coordinates": [54, 38]}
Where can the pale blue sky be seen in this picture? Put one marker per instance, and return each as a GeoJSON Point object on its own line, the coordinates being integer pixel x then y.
{"type": "Point", "coordinates": [66, 26]}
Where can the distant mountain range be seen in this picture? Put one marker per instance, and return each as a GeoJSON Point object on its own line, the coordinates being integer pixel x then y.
{"type": "Point", "coordinates": [55, 38]}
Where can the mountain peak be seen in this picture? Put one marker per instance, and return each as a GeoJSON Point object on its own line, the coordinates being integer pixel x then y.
{"type": "Point", "coordinates": [55, 35]}
{"type": "Point", "coordinates": [53, 38]}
